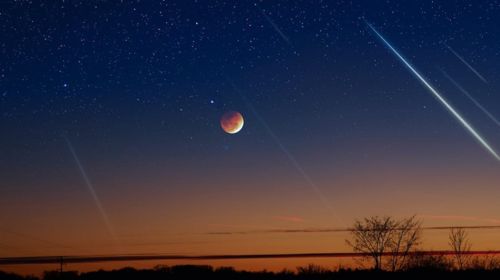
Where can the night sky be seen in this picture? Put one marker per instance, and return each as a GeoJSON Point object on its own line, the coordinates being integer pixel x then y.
{"type": "Point", "coordinates": [110, 138]}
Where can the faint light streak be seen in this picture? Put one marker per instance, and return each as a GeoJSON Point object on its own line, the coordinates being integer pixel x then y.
{"type": "Point", "coordinates": [436, 94]}
{"type": "Point", "coordinates": [467, 64]}
{"type": "Point", "coordinates": [289, 155]}
{"type": "Point", "coordinates": [466, 93]}
{"type": "Point", "coordinates": [276, 28]}
{"type": "Point", "coordinates": [91, 188]}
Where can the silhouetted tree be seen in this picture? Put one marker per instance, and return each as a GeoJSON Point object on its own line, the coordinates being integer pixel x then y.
{"type": "Point", "coordinates": [460, 244]}
{"type": "Point", "coordinates": [12, 276]}
{"type": "Point", "coordinates": [486, 262]}
{"type": "Point", "coordinates": [376, 236]}
{"type": "Point", "coordinates": [405, 237]}
{"type": "Point", "coordinates": [427, 263]}
{"type": "Point", "coordinates": [372, 236]}
{"type": "Point", "coordinates": [311, 270]}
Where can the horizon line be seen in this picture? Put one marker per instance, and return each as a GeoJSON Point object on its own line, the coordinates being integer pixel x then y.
{"type": "Point", "coordinates": [325, 230]}
{"type": "Point", "coordinates": [150, 257]}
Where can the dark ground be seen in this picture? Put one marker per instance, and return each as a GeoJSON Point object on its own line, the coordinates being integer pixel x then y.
{"type": "Point", "coordinates": [310, 272]}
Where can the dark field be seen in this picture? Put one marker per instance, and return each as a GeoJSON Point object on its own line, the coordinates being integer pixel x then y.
{"type": "Point", "coordinates": [435, 269]}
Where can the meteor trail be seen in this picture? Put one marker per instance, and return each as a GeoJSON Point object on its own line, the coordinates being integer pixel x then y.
{"type": "Point", "coordinates": [436, 94]}
{"type": "Point", "coordinates": [467, 64]}
{"type": "Point", "coordinates": [289, 155]}
{"type": "Point", "coordinates": [276, 28]}
{"type": "Point", "coordinates": [466, 93]}
{"type": "Point", "coordinates": [90, 187]}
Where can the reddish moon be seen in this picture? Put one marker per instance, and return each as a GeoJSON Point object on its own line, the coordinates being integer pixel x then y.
{"type": "Point", "coordinates": [232, 122]}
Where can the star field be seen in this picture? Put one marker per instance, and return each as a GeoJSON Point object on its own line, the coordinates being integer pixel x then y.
{"type": "Point", "coordinates": [331, 117]}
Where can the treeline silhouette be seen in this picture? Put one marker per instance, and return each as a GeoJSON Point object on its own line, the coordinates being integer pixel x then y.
{"type": "Point", "coordinates": [389, 246]}
{"type": "Point", "coordinates": [427, 266]}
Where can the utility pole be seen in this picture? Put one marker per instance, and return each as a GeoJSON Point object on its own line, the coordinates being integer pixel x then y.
{"type": "Point", "coordinates": [61, 262]}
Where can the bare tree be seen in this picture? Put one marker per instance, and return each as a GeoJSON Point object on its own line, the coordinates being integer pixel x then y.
{"type": "Point", "coordinates": [460, 244]}
{"type": "Point", "coordinates": [405, 237]}
{"type": "Point", "coordinates": [376, 237]}
{"type": "Point", "coordinates": [372, 237]}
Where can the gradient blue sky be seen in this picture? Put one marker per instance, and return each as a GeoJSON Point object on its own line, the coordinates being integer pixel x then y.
{"type": "Point", "coordinates": [138, 89]}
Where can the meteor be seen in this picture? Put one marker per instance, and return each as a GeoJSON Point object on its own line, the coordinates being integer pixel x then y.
{"type": "Point", "coordinates": [276, 28]}
{"type": "Point", "coordinates": [466, 93]}
{"type": "Point", "coordinates": [90, 187]}
{"type": "Point", "coordinates": [467, 64]}
{"type": "Point", "coordinates": [436, 94]}
{"type": "Point", "coordinates": [295, 163]}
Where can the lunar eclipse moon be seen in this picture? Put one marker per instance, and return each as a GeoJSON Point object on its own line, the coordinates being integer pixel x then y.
{"type": "Point", "coordinates": [123, 154]}
{"type": "Point", "coordinates": [232, 122]}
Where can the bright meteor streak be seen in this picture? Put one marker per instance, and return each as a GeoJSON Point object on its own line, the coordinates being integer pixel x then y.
{"type": "Point", "coordinates": [436, 94]}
